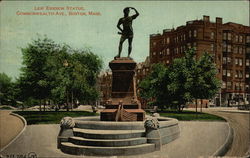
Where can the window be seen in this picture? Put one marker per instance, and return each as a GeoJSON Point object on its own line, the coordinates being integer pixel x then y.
{"type": "Point", "coordinates": [194, 45]}
{"type": "Point", "coordinates": [224, 47]}
{"type": "Point", "coordinates": [240, 62]}
{"type": "Point", "coordinates": [177, 50]}
{"type": "Point", "coordinates": [154, 43]}
{"type": "Point", "coordinates": [241, 39]}
{"type": "Point", "coordinates": [237, 86]}
{"type": "Point", "coordinates": [167, 62]}
{"type": "Point", "coordinates": [190, 34]}
{"type": "Point", "coordinates": [224, 72]}
{"type": "Point", "coordinates": [168, 51]}
{"type": "Point", "coordinates": [236, 50]}
{"type": "Point", "coordinates": [223, 84]}
{"type": "Point", "coordinates": [212, 47]}
{"type": "Point", "coordinates": [154, 53]}
{"type": "Point", "coordinates": [236, 74]}
{"type": "Point", "coordinates": [240, 74]}
{"type": "Point", "coordinates": [241, 86]}
{"type": "Point", "coordinates": [236, 38]}
{"type": "Point", "coordinates": [247, 62]}
{"type": "Point", "coordinates": [168, 40]}
{"type": "Point", "coordinates": [195, 33]}
{"type": "Point", "coordinates": [224, 60]}
{"type": "Point", "coordinates": [184, 37]}
{"type": "Point", "coordinates": [236, 61]}
{"type": "Point", "coordinates": [248, 39]}
{"type": "Point", "coordinates": [229, 36]}
{"type": "Point", "coordinates": [229, 48]}
{"type": "Point", "coordinates": [229, 85]}
{"type": "Point", "coordinates": [248, 50]}
{"type": "Point", "coordinates": [247, 86]}
{"type": "Point", "coordinates": [228, 73]}
{"type": "Point", "coordinates": [212, 35]}
{"type": "Point", "coordinates": [240, 50]}
{"type": "Point", "coordinates": [224, 36]}
{"type": "Point", "coordinates": [189, 45]}
{"type": "Point", "coordinates": [247, 75]}
{"type": "Point", "coordinates": [228, 59]}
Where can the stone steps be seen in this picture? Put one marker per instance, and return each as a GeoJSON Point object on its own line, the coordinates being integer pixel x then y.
{"type": "Point", "coordinates": [108, 142]}
{"type": "Point", "coordinates": [71, 148]}
{"type": "Point", "coordinates": [108, 134]}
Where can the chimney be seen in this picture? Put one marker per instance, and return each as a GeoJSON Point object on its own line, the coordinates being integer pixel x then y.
{"type": "Point", "coordinates": [218, 20]}
{"type": "Point", "coordinates": [205, 18]}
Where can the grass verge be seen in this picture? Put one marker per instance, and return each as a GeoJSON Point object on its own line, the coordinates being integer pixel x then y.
{"type": "Point", "coordinates": [191, 116]}
{"type": "Point", "coordinates": [5, 108]}
{"type": "Point", "coordinates": [50, 117]}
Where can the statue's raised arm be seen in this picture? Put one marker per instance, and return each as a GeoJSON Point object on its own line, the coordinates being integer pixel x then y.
{"type": "Point", "coordinates": [136, 13]}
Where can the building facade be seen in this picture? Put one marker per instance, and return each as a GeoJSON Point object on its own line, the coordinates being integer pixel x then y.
{"type": "Point", "coordinates": [142, 70]}
{"type": "Point", "coordinates": [105, 86]}
{"type": "Point", "coordinates": [229, 44]}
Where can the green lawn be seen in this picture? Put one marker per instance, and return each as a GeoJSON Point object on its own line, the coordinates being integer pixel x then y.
{"type": "Point", "coordinates": [50, 117]}
{"type": "Point", "coordinates": [5, 108]}
{"type": "Point", "coordinates": [191, 116]}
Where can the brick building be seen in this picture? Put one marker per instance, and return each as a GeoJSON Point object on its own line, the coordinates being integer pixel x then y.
{"type": "Point", "coordinates": [105, 85]}
{"type": "Point", "coordinates": [142, 70]}
{"type": "Point", "coordinates": [229, 43]}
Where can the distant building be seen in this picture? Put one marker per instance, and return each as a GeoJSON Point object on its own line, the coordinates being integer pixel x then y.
{"type": "Point", "coordinates": [229, 43]}
{"type": "Point", "coordinates": [105, 86]}
{"type": "Point", "coordinates": [142, 70]}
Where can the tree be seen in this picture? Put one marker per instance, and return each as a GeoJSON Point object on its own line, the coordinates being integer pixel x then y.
{"type": "Point", "coordinates": [184, 80]}
{"type": "Point", "coordinates": [205, 84]}
{"type": "Point", "coordinates": [6, 87]}
{"type": "Point", "coordinates": [33, 80]}
{"type": "Point", "coordinates": [58, 73]}
{"type": "Point", "coordinates": [154, 87]}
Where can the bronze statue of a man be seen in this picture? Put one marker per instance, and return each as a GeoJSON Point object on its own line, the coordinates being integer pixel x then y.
{"type": "Point", "coordinates": [127, 30]}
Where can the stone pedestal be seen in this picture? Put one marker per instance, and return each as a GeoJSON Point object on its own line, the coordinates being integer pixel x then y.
{"type": "Point", "coordinates": [123, 104]}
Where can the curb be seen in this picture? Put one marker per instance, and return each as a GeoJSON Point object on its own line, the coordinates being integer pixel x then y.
{"type": "Point", "coordinates": [241, 112]}
{"type": "Point", "coordinates": [226, 146]}
{"type": "Point", "coordinates": [25, 125]}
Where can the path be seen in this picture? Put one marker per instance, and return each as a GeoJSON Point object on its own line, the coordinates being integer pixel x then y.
{"type": "Point", "coordinates": [240, 122]}
{"type": "Point", "coordinates": [10, 127]}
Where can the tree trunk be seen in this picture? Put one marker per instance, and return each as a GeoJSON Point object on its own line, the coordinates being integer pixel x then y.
{"type": "Point", "coordinates": [72, 100]}
{"type": "Point", "coordinates": [44, 102]}
{"type": "Point", "coordinates": [40, 106]}
{"type": "Point", "coordinates": [67, 101]}
{"type": "Point", "coordinates": [196, 105]}
{"type": "Point", "coordinates": [201, 104]}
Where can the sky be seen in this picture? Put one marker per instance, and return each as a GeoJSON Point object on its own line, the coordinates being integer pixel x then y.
{"type": "Point", "coordinates": [99, 32]}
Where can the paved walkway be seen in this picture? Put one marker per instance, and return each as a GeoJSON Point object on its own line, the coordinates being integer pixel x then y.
{"type": "Point", "coordinates": [239, 120]}
{"type": "Point", "coordinates": [10, 127]}
{"type": "Point", "coordinates": [197, 138]}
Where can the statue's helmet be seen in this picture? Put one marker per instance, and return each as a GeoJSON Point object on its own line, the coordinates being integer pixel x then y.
{"type": "Point", "coordinates": [126, 10]}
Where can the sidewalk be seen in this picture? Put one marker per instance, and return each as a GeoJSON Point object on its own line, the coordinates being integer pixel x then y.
{"type": "Point", "coordinates": [10, 127]}
{"type": "Point", "coordinates": [222, 109]}
{"type": "Point", "coordinates": [196, 138]}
